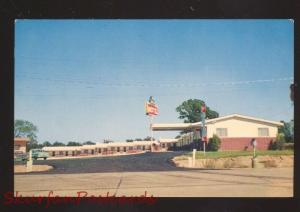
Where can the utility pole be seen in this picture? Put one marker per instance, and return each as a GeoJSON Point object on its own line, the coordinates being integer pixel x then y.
{"type": "Point", "coordinates": [254, 144]}
{"type": "Point", "coordinates": [203, 130]}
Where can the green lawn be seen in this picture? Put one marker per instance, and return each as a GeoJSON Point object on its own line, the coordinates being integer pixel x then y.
{"type": "Point", "coordinates": [225, 154]}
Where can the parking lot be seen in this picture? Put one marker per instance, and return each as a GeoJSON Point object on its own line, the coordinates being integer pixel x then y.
{"type": "Point", "coordinates": [149, 161]}
{"type": "Point", "coordinates": [153, 173]}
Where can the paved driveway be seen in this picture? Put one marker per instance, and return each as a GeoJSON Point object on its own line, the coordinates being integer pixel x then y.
{"type": "Point", "coordinates": [150, 161]}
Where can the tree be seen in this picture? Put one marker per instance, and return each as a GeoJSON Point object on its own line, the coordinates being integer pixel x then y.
{"type": "Point", "coordinates": [148, 138]}
{"type": "Point", "coordinates": [26, 129]}
{"type": "Point", "coordinates": [138, 139]}
{"type": "Point", "coordinates": [214, 143]}
{"type": "Point", "coordinates": [72, 143]}
{"type": "Point", "coordinates": [287, 130]}
{"type": "Point", "coordinates": [279, 142]}
{"type": "Point", "coordinates": [89, 143]}
{"type": "Point", "coordinates": [190, 111]}
{"type": "Point", "coordinates": [47, 143]}
{"type": "Point", "coordinates": [34, 146]}
{"type": "Point", "coordinates": [56, 143]}
{"type": "Point", "coordinates": [129, 140]}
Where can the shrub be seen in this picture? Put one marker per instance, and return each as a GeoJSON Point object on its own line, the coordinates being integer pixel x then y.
{"type": "Point", "coordinates": [279, 142]}
{"type": "Point", "coordinates": [214, 143]}
{"type": "Point", "coordinates": [288, 146]}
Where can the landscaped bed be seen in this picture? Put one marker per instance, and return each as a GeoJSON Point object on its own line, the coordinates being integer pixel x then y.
{"type": "Point", "coordinates": [237, 159]}
{"type": "Point", "coordinates": [226, 154]}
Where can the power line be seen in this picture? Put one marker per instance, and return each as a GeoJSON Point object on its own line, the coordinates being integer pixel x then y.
{"type": "Point", "coordinates": [135, 84]}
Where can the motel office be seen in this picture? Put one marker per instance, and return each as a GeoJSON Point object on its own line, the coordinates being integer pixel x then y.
{"type": "Point", "coordinates": [235, 131]}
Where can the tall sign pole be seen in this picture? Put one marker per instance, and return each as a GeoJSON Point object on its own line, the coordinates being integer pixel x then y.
{"type": "Point", "coordinates": [151, 122]}
{"type": "Point", "coordinates": [151, 110]}
{"type": "Point", "coordinates": [203, 129]}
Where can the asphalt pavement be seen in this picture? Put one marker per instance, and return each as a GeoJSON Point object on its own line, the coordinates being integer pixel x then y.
{"type": "Point", "coordinates": [149, 161]}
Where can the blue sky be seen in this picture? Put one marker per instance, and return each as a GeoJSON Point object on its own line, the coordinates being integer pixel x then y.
{"type": "Point", "coordinates": [80, 80]}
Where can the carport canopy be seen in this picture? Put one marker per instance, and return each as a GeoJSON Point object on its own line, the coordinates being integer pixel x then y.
{"type": "Point", "coordinates": [175, 126]}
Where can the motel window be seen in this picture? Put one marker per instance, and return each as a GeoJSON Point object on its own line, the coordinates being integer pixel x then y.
{"type": "Point", "coordinates": [118, 149]}
{"type": "Point", "coordinates": [222, 132]}
{"type": "Point", "coordinates": [86, 151]}
{"type": "Point", "coordinates": [130, 148]}
{"type": "Point", "coordinates": [17, 147]}
{"type": "Point", "coordinates": [138, 147]}
{"type": "Point", "coordinates": [263, 131]}
{"type": "Point", "coordinates": [112, 148]}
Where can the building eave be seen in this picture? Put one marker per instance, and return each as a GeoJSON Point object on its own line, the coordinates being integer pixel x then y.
{"type": "Point", "coordinates": [197, 125]}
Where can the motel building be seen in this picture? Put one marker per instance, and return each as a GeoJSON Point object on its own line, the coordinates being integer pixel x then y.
{"type": "Point", "coordinates": [235, 131]}
{"type": "Point", "coordinates": [114, 148]}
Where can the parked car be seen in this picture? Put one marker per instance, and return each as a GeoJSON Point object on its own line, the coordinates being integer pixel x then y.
{"type": "Point", "coordinates": [39, 153]}
{"type": "Point", "coordinates": [20, 156]}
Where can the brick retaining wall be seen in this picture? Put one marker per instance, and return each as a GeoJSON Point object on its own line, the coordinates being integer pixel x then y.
{"type": "Point", "coordinates": [245, 143]}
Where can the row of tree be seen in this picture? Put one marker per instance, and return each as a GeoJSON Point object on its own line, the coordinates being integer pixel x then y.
{"type": "Point", "coordinates": [37, 145]}
{"type": "Point", "coordinates": [148, 138]}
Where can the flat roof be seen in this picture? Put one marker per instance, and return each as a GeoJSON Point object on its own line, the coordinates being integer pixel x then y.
{"type": "Point", "coordinates": [168, 140]}
{"type": "Point", "coordinates": [173, 126]}
{"type": "Point", "coordinates": [61, 148]}
{"type": "Point", "coordinates": [99, 145]}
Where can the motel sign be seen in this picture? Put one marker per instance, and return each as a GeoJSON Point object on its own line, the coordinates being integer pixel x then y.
{"type": "Point", "coordinates": [151, 108]}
